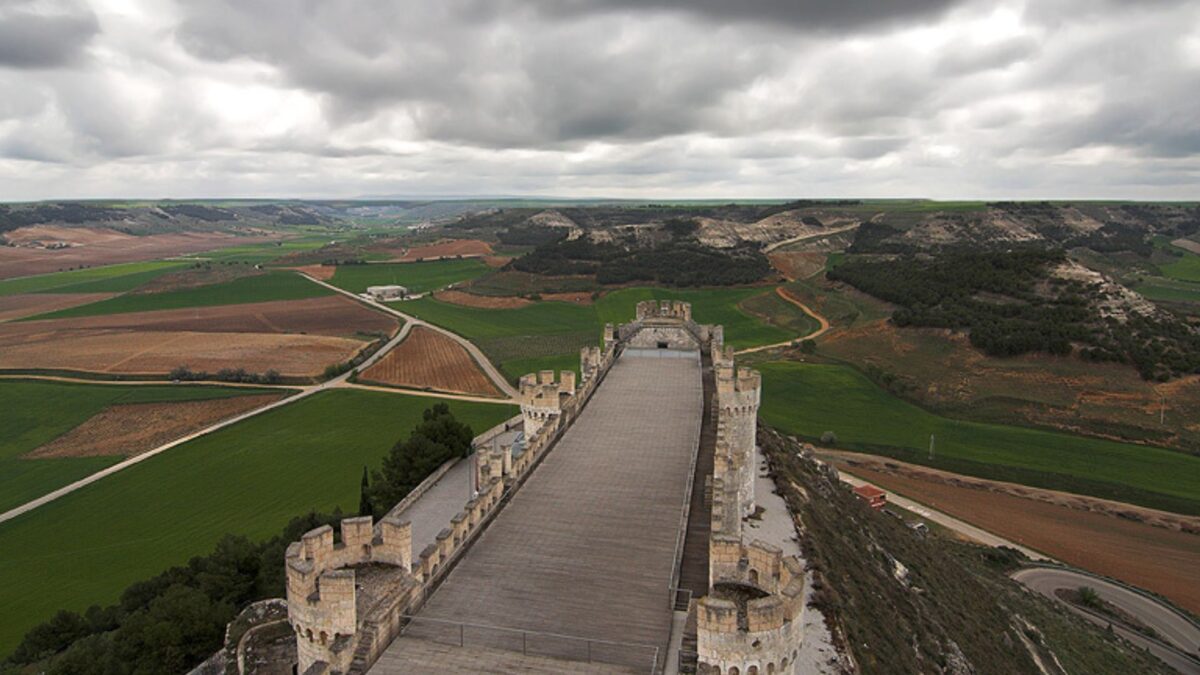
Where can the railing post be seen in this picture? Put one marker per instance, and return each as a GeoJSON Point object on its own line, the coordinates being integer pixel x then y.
{"type": "Point", "coordinates": [524, 650]}
{"type": "Point", "coordinates": [589, 644]}
{"type": "Point", "coordinates": [461, 633]}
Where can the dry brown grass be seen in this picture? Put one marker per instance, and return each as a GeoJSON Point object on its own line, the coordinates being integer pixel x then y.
{"type": "Point", "coordinates": [131, 429]}
{"type": "Point", "coordinates": [797, 264]}
{"type": "Point", "coordinates": [429, 359]}
{"type": "Point", "coordinates": [1101, 399]}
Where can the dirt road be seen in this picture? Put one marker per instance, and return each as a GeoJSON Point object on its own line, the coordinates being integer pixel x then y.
{"type": "Point", "coordinates": [787, 297]}
{"type": "Point", "coordinates": [491, 371]}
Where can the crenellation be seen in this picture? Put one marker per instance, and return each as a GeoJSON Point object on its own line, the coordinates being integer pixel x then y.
{"type": "Point", "coordinates": [749, 619]}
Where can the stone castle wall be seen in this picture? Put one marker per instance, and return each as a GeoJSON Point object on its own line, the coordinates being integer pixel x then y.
{"type": "Point", "coordinates": [751, 620]}
{"type": "Point", "coordinates": [348, 600]}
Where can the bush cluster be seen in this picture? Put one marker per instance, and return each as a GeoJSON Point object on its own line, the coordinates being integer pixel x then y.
{"type": "Point", "coordinates": [185, 374]}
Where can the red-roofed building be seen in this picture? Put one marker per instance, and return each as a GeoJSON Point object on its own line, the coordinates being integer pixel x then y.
{"type": "Point", "coordinates": [873, 496]}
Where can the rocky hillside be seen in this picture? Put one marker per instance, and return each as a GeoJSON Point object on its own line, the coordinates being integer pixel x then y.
{"type": "Point", "coordinates": [903, 602]}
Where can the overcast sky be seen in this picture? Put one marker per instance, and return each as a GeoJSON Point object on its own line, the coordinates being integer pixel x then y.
{"type": "Point", "coordinates": [619, 98]}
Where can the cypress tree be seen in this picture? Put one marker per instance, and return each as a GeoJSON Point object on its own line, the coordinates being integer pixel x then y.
{"type": "Point", "coordinates": [364, 498]}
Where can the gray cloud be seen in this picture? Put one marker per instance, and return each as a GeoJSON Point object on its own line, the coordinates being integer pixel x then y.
{"type": "Point", "coordinates": [818, 15]}
{"type": "Point", "coordinates": [659, 98]}
{"type": "Point", "coordinates": [35, 39]}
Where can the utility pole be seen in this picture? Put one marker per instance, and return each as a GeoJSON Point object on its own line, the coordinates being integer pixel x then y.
{"type": "Point", "coordinates": [931, 441]}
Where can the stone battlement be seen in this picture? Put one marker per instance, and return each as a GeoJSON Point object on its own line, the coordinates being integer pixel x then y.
{"type": "Point", "coordinates": [751, 618]}
{"type": "Point", "coordinates": [664, 309]}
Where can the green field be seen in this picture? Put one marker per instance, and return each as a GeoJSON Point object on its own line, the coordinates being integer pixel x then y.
{"type": "Point", "coordinates": [1158, 288]}
{"type": "Point", "coordinates": [259, 288]}
{"type": "Point", "coordinates": [808, 400]}
{"type": "Point", "coordinates": [1186, 268]}
{"type": "Point", "coordinates": [549, 334]}
{"type": "Point", "coordinates": [108, 279]}
{"type": "Point", "coordinates": [417, 277]}
{"type": "Point", "coordinates": [264, 252]}
{"type": "Point", "coordinates": [249, 479]}
{"type": "Point", "coordinates": [36, 413]}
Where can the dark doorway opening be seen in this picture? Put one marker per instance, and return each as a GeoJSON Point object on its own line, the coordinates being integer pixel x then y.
{"type": "Point", "coordinates": [662, 345]}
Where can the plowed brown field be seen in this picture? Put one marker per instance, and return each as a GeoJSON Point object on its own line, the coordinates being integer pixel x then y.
{"type": "Point", "coordinates": [448, 249]}
{"type": "Point", "coordinates": [99, 246]}
{"type": "Point", "coordinates": [128, 430]}
{"type": "Point", "coordinates": [1154, 558]}
{"type": "Point", "coordinates": [427, 358]}
{"type": "Point", "coordinates": [30, 304]}
{"type": "Point", "coordinates": [295, 337]}
{"type": "Point", "coordinates": [481, 301]}
{"type": "Point", "coordinates": [319, 272]}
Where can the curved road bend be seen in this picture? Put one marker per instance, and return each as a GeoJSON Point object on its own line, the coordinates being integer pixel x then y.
{"type": "Point", "coordinates": [299, 393]}
{"type": "Point", "coordinates": [475, 352]}
{"type": "Point", "coordinates": [823, 325]}
{"type": "Point", "coordinates": [1181, 635]}
{"type": "Point", "coordinates": [1176, 630]}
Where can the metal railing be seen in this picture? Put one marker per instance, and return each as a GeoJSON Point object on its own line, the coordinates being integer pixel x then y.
{"type": "Point", "coordinates": [531, 643]}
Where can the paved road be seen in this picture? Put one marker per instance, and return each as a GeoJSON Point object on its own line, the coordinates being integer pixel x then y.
{"type": "Point", "coordinates": [811, 235]}
{"type": "Point", "coordinates": [498, 379]}
{"type": "Point", "coordinates": [1171, 626]}
{"type": "Point", "coordinates": [945, 520]}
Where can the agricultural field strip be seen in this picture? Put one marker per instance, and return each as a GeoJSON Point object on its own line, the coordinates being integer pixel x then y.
{"type": "Point", "coordinates": [972, 532]}
{"type": "Point", "coordinates": [241, 480]}
{"type": "Point", "coordinates": [300, 393]}
{"type": "Point", "coordinates": [410, 320]}
{"type": "Point", "coordinates": [118, 277]}
{"type": "Point", "coordinates": [791, 401]}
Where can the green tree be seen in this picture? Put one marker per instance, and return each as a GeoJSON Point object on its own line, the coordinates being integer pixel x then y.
{"type": "Point", "coordinates": [364, 496]}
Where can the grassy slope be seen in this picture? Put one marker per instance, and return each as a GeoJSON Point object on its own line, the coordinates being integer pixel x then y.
{"type": "Point", "coordinates": [418, 277]}
{"type": "Point", "coordinates": [37, 412]}
{"type": "Point", "coordinates": [810, 399]}
{"type": "Point", "coordinates": [260, 288]}
{"type": "Point", "coordinates": [108, 279]}
{"type": "Point", "coordinates": [549, 334]}
{"type": "Point", "coordinates": [1186, 268]}
{"type": "Point", "coordinates": [247, 479]}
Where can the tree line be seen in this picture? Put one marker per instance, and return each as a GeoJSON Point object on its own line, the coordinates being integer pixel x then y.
{"type": "Point", "coordinates": [1011, 304]}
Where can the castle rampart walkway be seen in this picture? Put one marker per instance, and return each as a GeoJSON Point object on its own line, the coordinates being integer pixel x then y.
{"type": "Point", "coordinates": [587, 547]}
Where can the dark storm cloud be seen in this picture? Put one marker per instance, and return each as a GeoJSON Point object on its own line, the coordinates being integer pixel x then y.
{"type": "Point", "coordinates": [831, 15]}
{"type": "Point", "coordinates": [30, 39]}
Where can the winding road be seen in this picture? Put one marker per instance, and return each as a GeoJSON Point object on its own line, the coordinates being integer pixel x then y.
{"type": "Point", "coordinates": [1179, 646]}
{"type": "Point", "coordinates": [1179, 637]}
{"type": "Point", "coordinates": [787, 297]}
